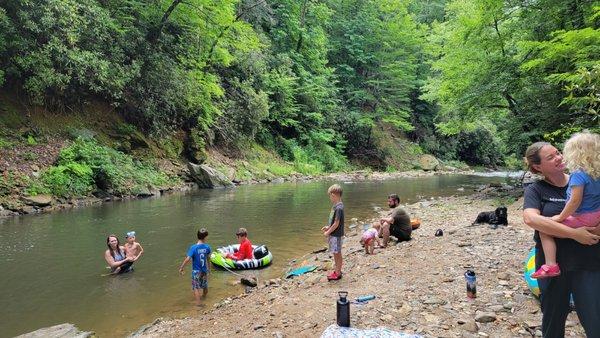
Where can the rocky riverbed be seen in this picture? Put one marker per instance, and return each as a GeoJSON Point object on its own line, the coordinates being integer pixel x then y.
{"type": "Point", "coordinates": [419, 285]}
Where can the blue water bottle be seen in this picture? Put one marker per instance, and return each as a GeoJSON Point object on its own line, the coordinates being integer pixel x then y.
{"type": "Point", "coordinates": [471, 284]}
{"type": "Point", "coordinates": [365, 298]}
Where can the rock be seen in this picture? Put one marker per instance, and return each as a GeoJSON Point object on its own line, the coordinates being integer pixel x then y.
{"type": "Point", "coordinates": [504, 276]}
{"type": "Point", "coordinates": [278, 334]}
{"type": "Point", "coordinates": [248, 281]}
{"type": "Point", "coordinates": [532, 323]}
{"type": "Point", "coordinates": [469, 325]}
{"type": "Point", "coordinates": [37, 201]}
{"type": "Point", "coordinates": [258, 327]}
{"type": "Point", "coordinates": [485, 317]}
{"type": "Point", "coordinates": [497, 308]}
{"type": "Point", "coordinates": [433, 300]}
{"type": "Point", "coordinates": [207, 177]}
{"type": "Point", "coordinates": [308, 326]}
{"type": "Point", "coordinates": [61, 330]}
{"type": "Point", "coordinates": [429, 162]}
{"type": "Point", "coordinates": [28, 209]}
{"type": "Point", "coordinates": [320, 250]}
{"type": "Point", "coordinates": [277, 180]}
{"type": "Point", "coordinates": [387, 318]}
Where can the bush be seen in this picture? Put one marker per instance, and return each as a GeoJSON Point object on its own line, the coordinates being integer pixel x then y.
{"type": "Point", "coordinates": [73, 179]}
{"type": "Point", "coordinates": [86, 165]}
{"type": "Point", "coordinates": [4, 143]}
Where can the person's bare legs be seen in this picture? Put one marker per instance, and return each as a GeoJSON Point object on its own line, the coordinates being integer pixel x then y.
{"type": "Point", "coordinates": [337, 259]}
{"type": "Point", "coordinates": [372, 246]}
{"type": "Point", "coordinates": [549, 248]}
{"type": "Point", "coordinates": [385, 231]}
{"type": "Point", "coordinates": [197, 296]}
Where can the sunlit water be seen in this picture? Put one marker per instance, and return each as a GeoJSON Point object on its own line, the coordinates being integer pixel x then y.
{"type": "Point", "coordinates": [52, 264]}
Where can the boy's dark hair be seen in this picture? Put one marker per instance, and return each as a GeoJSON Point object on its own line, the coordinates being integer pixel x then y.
{"type": "Point", "coordinates": [242, 232]}
{"type": "Point", "coordinates": [395, 197]}
{"type": "Point", "coordinates": [202, 233]}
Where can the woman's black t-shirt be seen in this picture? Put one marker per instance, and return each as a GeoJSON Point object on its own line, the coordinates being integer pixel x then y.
{"type": "Point", "coordinates": [570, 255]}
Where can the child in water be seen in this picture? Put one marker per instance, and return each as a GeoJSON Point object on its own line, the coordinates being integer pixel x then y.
{"type": "Point", "coordinates": [133, 249]}
{"type": "Point", "coordinates": [369, 237]}
{"type": "Point", "coordinates": [582, 208]}
{"type": "Point", "coordinates": [198, 253]}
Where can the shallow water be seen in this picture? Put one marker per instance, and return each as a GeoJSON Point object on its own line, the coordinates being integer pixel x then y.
{"type": "Point", "coordinates": [52, 264]}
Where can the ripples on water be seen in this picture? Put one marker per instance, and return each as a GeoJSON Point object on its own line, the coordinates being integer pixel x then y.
{"type": "Point", "coordinates": [52, 264]}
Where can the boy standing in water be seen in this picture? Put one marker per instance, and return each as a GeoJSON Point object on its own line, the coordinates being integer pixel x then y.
{"type": "Point", "coordinates": [335, 230]}
{"type": "Point", "coordinates": [198, 254]}
{"type": "Point", "coordinates": [133, 249]}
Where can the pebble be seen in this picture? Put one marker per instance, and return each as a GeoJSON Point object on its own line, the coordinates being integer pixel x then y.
{"type": "Point", "coordinates": [434, 301]}
{"type": "Point", "coordinates": [485, 317]}
{"type": "Point", "coordinates": [469, 325]}
{"type": "Point", "coordinates": [533, 323]}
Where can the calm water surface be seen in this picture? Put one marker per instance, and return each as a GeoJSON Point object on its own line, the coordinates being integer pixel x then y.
{"type": "Point", "coordinates": [52, 264]}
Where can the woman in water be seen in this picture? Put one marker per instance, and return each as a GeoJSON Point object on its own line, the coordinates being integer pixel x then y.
{"type": "Point", "coordinates": [116, 256]}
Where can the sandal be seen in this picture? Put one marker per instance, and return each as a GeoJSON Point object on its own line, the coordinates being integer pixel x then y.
{"type": "Point", "coordinates": [334, 276]}
{"type": "Point", "coordinates": [546, 271]}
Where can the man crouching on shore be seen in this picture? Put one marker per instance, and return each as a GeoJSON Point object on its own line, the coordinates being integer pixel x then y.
{"type": "Point", "coordinates": [397, 222]}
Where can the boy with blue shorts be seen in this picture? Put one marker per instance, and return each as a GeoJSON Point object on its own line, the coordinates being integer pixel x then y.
{"type": "Point", "coordinates": [335, 230]}
{"type": "Point", "coordinates": [198, 254]}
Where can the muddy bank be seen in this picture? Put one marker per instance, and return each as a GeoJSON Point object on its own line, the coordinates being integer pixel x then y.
{"type": "Point", "coordinates": [419, 285]}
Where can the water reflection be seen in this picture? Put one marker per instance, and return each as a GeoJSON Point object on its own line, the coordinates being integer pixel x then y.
{"type": "Point", "coordinates": [53, 264]}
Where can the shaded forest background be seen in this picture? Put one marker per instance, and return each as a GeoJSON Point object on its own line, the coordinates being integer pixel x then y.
{"type": "Point", "coordinates": [316, 81]}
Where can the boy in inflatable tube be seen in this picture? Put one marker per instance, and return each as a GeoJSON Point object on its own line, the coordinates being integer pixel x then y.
{"type": "Point", "coordinates": [245, 251]}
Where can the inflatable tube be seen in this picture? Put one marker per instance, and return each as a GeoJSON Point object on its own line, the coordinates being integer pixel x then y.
{"type": "Point", "coordinates": [532, 284]}
{"type": "Point", "coordinates": [263, 258]}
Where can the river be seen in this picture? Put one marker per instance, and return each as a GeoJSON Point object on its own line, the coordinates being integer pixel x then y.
{"type": "Point", "coordinates": [52, 265]}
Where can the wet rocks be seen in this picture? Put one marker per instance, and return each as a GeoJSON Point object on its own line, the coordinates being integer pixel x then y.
{"type": "Point", "coordinates": [207, 177]}
{"type": "Point", "coordinates": [38, 200]}
{"type": "Point", "coordinates": [61, 330]}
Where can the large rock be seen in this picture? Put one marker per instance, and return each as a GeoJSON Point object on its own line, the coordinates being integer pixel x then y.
{"type": "Point", "coordinates": [207, 177]}
{"type": "Point", "coordinates": [37, 201]}
{"type": "Point", "coordinates": [429, 162]}
{"type": "Point", "coordinates": [56, 331]}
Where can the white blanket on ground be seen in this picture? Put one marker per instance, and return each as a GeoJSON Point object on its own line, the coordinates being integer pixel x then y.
{"type": "Point", "coordinates": [334, 331]}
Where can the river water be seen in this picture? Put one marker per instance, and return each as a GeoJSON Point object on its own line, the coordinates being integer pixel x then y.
{"type": "Point", "coordinates": [52, 265]}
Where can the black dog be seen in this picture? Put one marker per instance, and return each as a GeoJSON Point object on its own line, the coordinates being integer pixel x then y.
{"type": "Point", "coordinates": [496, 217]}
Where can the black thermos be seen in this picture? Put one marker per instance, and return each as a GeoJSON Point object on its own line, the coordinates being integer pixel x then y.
{"type": "Point", "coordinates": [343, 309]}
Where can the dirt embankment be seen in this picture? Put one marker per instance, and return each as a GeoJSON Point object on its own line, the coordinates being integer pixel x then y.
{"type": "Point", "coordinates": [419, 285]}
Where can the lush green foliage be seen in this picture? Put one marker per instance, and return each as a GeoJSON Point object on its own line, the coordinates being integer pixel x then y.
{"type": "Point", "coordinates": [86, 166]}
{"type": "Point", "coordinates": [528, 68]}
{"type": "Point", "coordinates": [469, 80]}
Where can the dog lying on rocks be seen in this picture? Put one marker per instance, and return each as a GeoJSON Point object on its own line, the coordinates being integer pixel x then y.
{"type": "Point", "coordinates": [494, 218]}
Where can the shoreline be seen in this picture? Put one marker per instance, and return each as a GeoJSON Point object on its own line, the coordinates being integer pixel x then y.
{"type": "Point", "coordinates": [41, 204]}
{"type": "Point", "coordinates": [418, 285]}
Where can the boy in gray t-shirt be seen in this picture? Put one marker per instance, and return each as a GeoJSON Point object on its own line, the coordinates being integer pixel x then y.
{"type": "Point", "coordinates": [335, 230]}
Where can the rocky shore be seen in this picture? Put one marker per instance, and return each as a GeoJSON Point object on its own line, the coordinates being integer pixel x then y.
{"type": "Point", "coordinates": [18, 204]}
{"type": "Point", "coordinates": [419, 285]}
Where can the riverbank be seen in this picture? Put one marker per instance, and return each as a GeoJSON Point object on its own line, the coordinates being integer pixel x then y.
{"type": "Point", "coordinates": [21, 204]}
{"type": "Point", "coordinates": [419, 285]}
